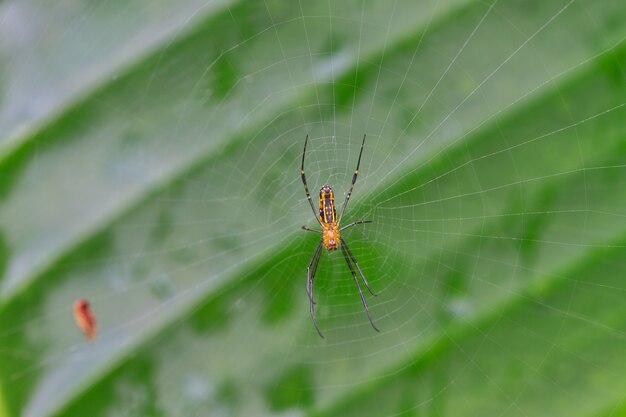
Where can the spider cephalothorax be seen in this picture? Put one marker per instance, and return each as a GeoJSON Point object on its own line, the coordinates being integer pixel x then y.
{"type": "Point", "coordinates": [331, 236]}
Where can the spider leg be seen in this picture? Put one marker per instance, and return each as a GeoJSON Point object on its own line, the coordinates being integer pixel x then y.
{"type": "Point", "coordinates": [356, 173]}
{"type": "Point", "coordinates": [367, 285]}
{"type": "Point", "coordinates": [354, 224]}
{"type": "Point", "coordinates": [306, 187]}
{"type": "Point", "coordinates": [312, 301]}
{"type": "Point", "coordinates": [356, 280]}
{"type": "Point", "coordinates": [310, 230]}
{"type": "Point", "coordinates": [311, 270]}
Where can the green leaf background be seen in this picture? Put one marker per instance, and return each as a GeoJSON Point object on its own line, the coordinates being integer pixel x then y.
{"type": "Point", "coordinates": [149, 157]}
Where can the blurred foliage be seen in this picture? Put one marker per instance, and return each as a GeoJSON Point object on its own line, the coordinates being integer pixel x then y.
{"type": "Point", "coordinates": [149, 156]}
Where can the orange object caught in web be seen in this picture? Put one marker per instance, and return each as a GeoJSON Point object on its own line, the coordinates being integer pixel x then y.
{"type": "Point", "coordinates": [85, 319]}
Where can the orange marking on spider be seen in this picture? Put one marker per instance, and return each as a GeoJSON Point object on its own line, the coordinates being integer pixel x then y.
{"type": "Point", "coordinates": [331, 236]}
{"type": "Point", "coordinates": [85, 319]}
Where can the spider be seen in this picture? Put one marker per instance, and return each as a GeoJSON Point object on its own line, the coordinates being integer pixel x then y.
{"type": "Point", "coordinates": [85, 318]}
{"type": "Point", "coordinates": [331, 237]}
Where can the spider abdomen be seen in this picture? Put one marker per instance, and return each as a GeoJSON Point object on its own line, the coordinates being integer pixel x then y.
{"type": "Point", "coordinates": [328, 214]}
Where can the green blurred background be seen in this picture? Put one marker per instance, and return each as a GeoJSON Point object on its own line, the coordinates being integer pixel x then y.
{"type": "Point", "coordinates": [149, 158]}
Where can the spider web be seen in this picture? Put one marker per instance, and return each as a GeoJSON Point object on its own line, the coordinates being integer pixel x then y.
{"type": "Point", "coordinates": [171, 199]}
